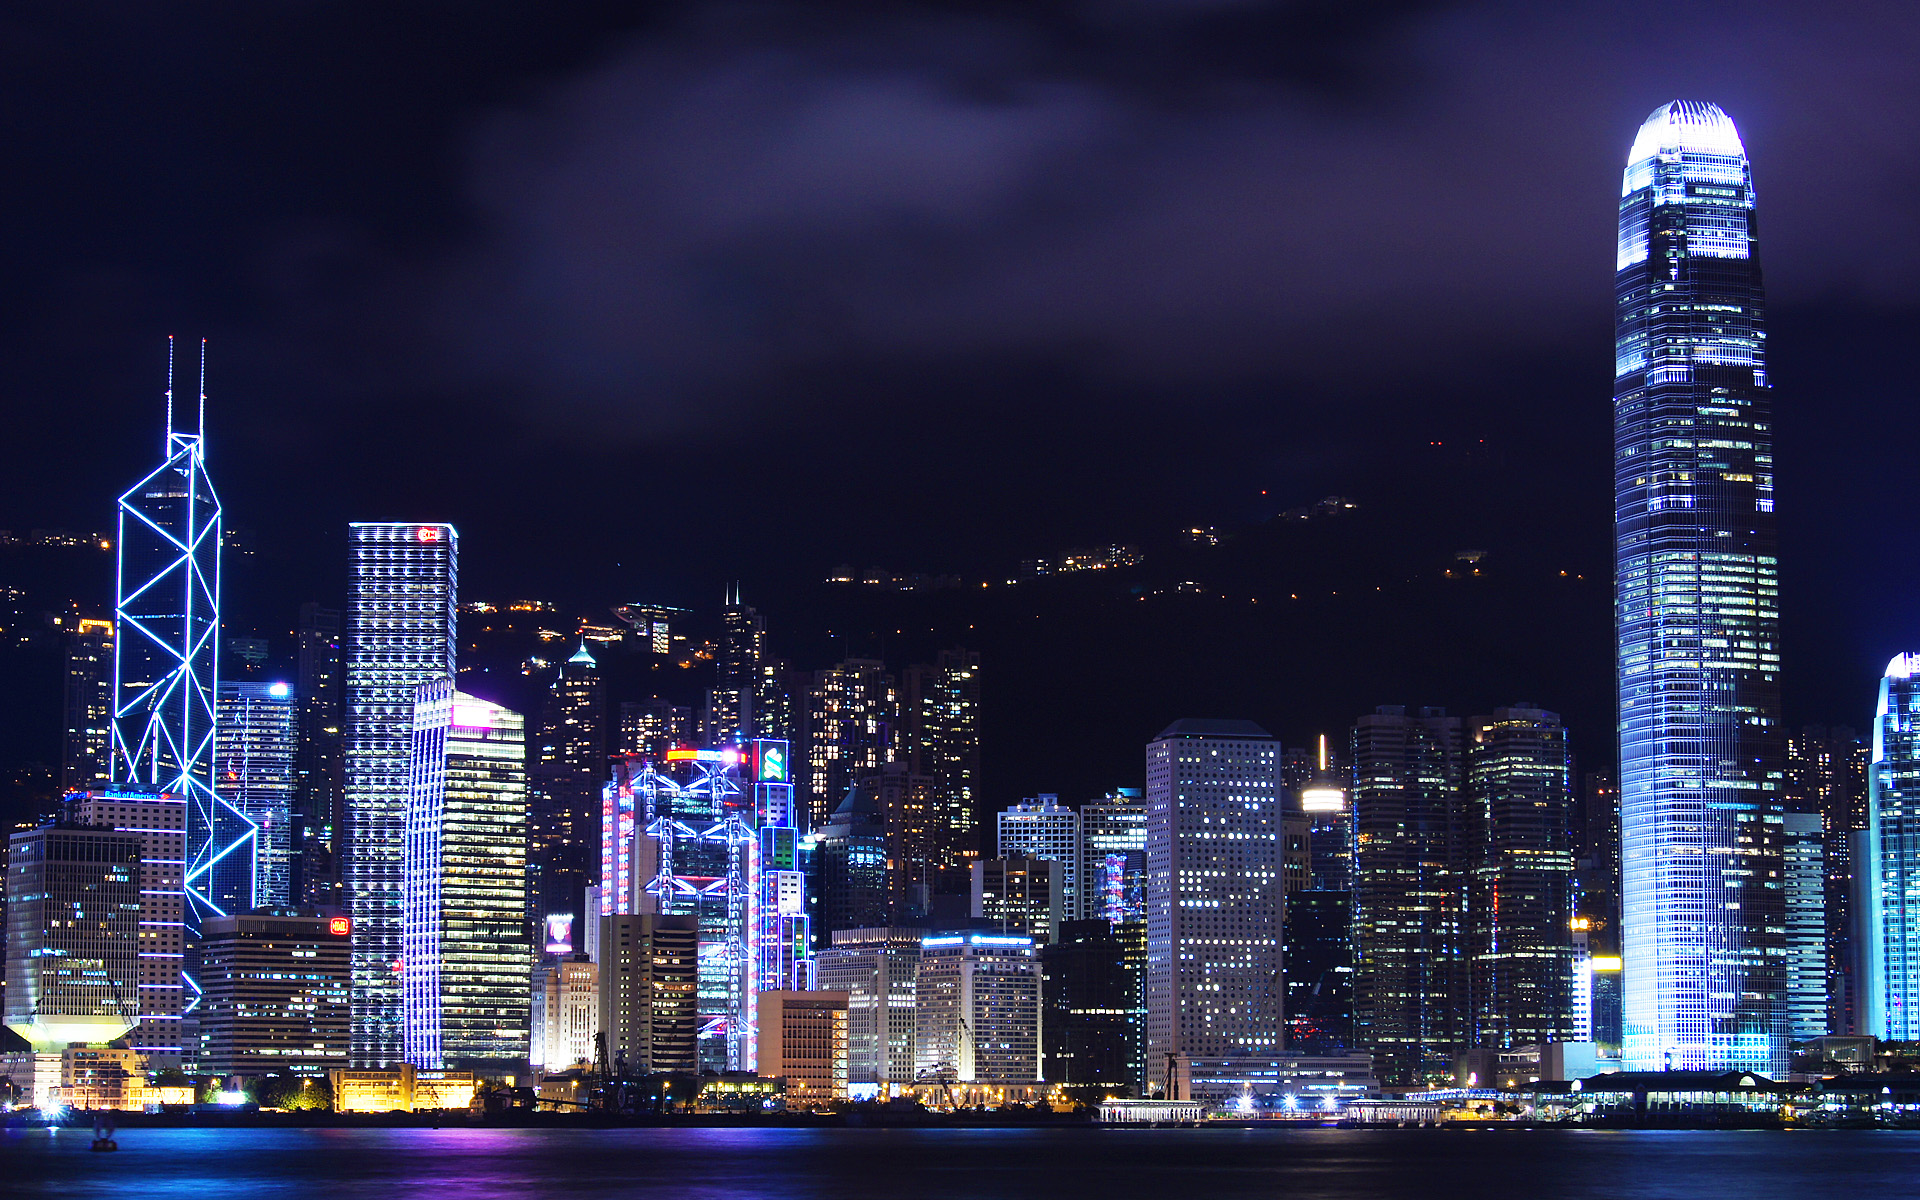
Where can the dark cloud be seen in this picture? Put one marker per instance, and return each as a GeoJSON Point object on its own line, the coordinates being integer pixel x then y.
{"type": "Point", "coordinates": [1182, 194]}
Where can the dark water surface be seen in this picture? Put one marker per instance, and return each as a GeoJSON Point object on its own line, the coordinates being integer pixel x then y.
{"type": "Point", "coordinates": [975, 1164]}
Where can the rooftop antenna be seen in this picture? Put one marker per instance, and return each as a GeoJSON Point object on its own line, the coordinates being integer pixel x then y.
{"type": "Point", "coordinates": [168, 448]}
{"type": "Point", "coordinates": [1323, 754]}
{"type": "Point", "coordinates": [202, 431]}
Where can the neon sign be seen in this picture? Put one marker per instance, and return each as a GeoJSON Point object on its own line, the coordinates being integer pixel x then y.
{"type": "Point", "coordinates": [771, 762]}
{"type": "Point", "coordinates": [427, 533]}
{"type": "Point", "coordinates": [340, 926]}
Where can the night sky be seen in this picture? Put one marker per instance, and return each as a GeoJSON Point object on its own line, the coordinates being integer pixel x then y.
{"type": "Point", "coordinates": [651, 297]}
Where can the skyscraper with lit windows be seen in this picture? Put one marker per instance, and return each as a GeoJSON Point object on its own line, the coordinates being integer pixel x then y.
{"type": "Point", "coordinates": [1409, 893]}
{"type": "Point", "coordinates": [1517, 854]}
{"type": "Point", "coordinates": [1889, 889]}
{"type": "Point", "coordinates": [258, 740]}
{"type": "Point", "coordinates": [400, 634]}
{"type": "Point", "coordinates": [1696, 603]}
{"type": "Point", "coordinates": [567, 767]}
{"type": "Point", "coordinates": [852, 708]}
{"type": "Point", "coordinates": [464, 938]}
{"type": "Point", "coordinates": [1214, 903]}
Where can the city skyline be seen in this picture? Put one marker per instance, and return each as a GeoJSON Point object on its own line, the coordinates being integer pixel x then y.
{"type": "Point", "coordinates": [1238, 700]}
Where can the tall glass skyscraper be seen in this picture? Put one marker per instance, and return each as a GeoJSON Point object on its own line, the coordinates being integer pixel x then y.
{"type": "Point", "coordinates": [1890, 888]}
{"type": "Point", "coordinates": [257, 740]}
{"type": "Point", "coordinates": [400, 629]}
{"type": "Point", "coordinates": [1696, 605]}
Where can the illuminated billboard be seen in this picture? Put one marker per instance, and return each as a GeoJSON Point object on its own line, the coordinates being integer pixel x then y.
{"type": "Point", "coordinates": [559, 933]}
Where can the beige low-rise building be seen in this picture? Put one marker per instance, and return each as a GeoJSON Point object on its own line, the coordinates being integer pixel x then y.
{"type": "Point", "coordinates": [803, 1040]}
{"type": "Point", "coordinates": [401, 1089]}
{"type": "Point", "coordinates": [110, 1078]}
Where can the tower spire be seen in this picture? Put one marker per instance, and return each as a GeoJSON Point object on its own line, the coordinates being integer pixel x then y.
{"type": "Point", "coordinates": [167, 449]}
{"type": "Point", "coordinates": [201, 430]}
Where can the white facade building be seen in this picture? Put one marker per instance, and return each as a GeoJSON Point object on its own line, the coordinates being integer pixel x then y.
{"type": "Point", "coordinates": [1214, 899]}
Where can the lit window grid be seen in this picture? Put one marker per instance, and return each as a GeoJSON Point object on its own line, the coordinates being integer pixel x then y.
{"type": "Point", "coordinates": [466, 958]}
{"type": "Point", "coordinates": [1214, 898]}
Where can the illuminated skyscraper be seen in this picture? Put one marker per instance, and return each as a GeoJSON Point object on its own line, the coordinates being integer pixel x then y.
{"type": "Point", "coordinates": [568, 767]}
{"type": "Point", "coordinates": [749, 697]}
{"type": "Point", "coordinates": [320, 765]}
{"type": "Point", "coordinates": [1696, 601]}
{"type": "Point", "coordinates": [1889, 889]}
{"type": "Point", "coordinates": [977, 1009]}
{"type": "Point", "coordinates": [400, 634]}
{"type": "Point", "coordinates": [1827, 771]}
{"type": "Point", "coordinates": [878, 969]}
{"type": "Point", "coordinates": [73, 934]}
{"type": "Point", "coordinates": [87, 692]}
{"type": "Point", "coordinates": [782, 944]}
{"type": "Point", "coordinates": [1094, 1021]}
{"type": "Point", "coordinates": [566, 1012]}
{"type": "Point", "coordinates": [1112, 876]}
{"type": "Point", "coordinates": [651, 727]}
{"type": "Point", "coordinates": [649, 992]}
{"type": "Point", "coordinates": [1020, 893]}
{"type": "Point", "coordinates": [852, 886]}
{"type": "Point", "coordinates": [1041, 827]}
{"type": "Point", "coordinates": [1807, 1007]}
{"type": "Point", "coordinates": [1409, 988]}
{"type": "Point", "coordinates": [1214, 900]}
{"type": "Point", "coordinates": [258, 742]}
{"type": "Point", "coordinates": [678, 838]}
{"type": "Point", "coordinates": [276, 993]}
{"type": "Point", "coordinates": [851, 710]}
{"type": "Point", "coordinates": [910, 811]}
{"type": "Point", "coordinates": [165, 993]}
{"type": "Point", "coordinates": [1518, 852]}
{"type": "Point", "coordinates": [940, 739]}
{"type": "Point", "coordinates": [167, 618]}
{"type": "Point", "coordinates": [1319, 917]}
{"type": "Point", "coordinates": [464, 927]}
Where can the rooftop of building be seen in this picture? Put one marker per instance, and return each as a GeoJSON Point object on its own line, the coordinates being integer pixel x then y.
{"type": "Point", "coordinates": [1681, 125]}
{"type": "Point", "coordinates": [1203, 727]}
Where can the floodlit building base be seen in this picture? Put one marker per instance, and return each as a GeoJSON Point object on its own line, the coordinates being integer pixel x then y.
{"type": "Point", "coordinates": [401, 1089]}
{"type": "Point", "coordinates": [945, 1096]}
{"type": "Point", "coordinates": [1152, 1112]}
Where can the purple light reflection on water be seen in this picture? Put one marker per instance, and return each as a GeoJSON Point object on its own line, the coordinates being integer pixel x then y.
{"type": "Point", "coordinates": [954, 1164]}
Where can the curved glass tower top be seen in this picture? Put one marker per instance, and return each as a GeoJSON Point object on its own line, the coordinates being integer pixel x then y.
{"type": "Point", "coordinates": [1696, 607]}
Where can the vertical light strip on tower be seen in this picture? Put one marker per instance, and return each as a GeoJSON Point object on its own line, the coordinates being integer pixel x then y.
{"type": "Point", "coordinates": [1696, 605]}
{"type": "Point", "coordinates": [166, 660]}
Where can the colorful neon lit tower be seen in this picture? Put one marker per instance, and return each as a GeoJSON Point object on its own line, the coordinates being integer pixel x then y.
{"type": "Point", "coordinates": [167, 617]}
{"type": "Point", "coordinates": [782, 933]}
{"type": "Point", "coordinates": [683, 837]}
{"type": "Point", "coordinates": [1696, 604]}
{"type": "Point", "coordinates": [680, 841]}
